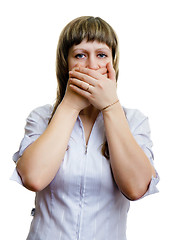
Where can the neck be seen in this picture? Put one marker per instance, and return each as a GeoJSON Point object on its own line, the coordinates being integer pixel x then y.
{"type": "Point", "coordinates": [90, 112]}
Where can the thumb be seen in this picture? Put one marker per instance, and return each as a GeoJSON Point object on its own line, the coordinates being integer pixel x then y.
{"type": "Point", "coordinates": [111, 72]}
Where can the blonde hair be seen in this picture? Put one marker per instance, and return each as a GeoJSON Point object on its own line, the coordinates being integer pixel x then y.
{"type": "Point", "coordinates": [86, 27]}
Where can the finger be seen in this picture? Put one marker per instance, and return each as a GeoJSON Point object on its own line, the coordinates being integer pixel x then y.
{"type": "Point", "coordinates": [111, 72]}
{"type": "Point", "coordinates": [82, 77]}
{"type": "Point", "coordinates": [102, 70]}
{"type": "Point", "coordinates": [80, 84]}
{"type": "Point", "coordinates": [90, 72]}
{"type": "Point", "coordinates": [80, 91]}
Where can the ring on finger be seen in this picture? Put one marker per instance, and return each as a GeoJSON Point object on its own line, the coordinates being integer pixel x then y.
{"type": "Point", "coordinates": [88, 88]}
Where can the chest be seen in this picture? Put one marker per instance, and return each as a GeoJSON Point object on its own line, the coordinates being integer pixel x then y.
{"type": "Point", "coordinates": [84, 169]}
{"type": "Point", "coordinates": [87, 126]}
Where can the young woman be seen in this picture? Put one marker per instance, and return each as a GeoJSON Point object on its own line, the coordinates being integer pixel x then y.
{"type": "Point", "coordinates": [87, 156]}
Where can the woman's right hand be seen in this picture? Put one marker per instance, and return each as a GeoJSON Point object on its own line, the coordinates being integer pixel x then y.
{"type": "Point", "coordinates": [74, 99]}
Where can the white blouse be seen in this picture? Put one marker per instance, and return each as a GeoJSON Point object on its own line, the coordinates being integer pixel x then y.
{"type": "Point", "coordinates": [82, 201]}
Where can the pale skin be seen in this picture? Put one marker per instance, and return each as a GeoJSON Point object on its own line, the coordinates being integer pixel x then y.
{"type": "Point", "coordinates": [90, 67]}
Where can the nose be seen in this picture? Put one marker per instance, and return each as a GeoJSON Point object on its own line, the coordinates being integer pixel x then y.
{"type": "Point", "coordinates": [92, 63]}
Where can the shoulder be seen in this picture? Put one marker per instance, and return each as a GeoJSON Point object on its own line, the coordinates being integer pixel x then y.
{"type": "Point", "coordinates": [41, 113]}
{"type": "Point", "coordinates": [134, 117]}
{"type": "Point", "coordinates": [133, 114]}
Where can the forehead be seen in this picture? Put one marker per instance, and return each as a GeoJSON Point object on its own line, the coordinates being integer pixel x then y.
{"type": "Point", "coordinates": [90, 45]}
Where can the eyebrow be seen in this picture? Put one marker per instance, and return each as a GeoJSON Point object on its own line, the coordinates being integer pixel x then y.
{"type": "Point", "coordinates": [86, 50]}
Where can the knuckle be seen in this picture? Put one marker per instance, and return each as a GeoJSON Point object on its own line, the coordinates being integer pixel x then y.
{"type": "Point", "coordinates": [83, 85]}
{"type": "Point", "coordinates": [83, 78]}
{"type": "Point", "coordinates": [100, 85]}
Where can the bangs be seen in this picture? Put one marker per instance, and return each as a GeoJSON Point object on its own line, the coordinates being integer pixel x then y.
{"type": "Point", "coordinates": [92, 29]}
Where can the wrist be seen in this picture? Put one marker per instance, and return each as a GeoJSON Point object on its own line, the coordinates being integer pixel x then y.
{"type": "Point", "coordinates": [112, 110]}
{"type": "Point", "coordinates": [69, 106]}
{"type": "Point", "coordinates": [108, 107]}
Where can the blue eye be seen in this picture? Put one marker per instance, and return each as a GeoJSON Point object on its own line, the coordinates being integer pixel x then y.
{"type": "Point", "coordinates": [102, 55]}
{"type": "Point", "coordinates": [80, 55]}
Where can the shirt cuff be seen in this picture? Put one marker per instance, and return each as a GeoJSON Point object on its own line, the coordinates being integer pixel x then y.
{"type": "Point", "coordinates": [26, 141]}
{"type": "Point", "coordinates": [15, 177]}
{"type": "Point", "coordinates": [152, 186]}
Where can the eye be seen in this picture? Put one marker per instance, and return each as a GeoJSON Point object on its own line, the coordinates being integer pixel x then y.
{"type": "Point", "coordinates": [80, 55]}
{"type": "Point", "coordinates": [102, 55]}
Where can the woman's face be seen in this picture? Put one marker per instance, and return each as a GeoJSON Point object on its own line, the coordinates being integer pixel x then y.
{"type": "Point", "coordinates": [93, 55]}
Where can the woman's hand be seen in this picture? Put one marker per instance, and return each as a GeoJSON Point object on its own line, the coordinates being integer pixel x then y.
{"type": "Point", "coordinates": [75, 100]}
{"type": "Point", "coordinates": [97, 87]}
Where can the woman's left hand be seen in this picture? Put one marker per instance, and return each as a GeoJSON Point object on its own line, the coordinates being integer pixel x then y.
{"type": "Point", "coordinates": [98, 88]}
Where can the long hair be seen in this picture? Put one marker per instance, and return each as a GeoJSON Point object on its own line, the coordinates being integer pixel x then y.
{"type": "Point", "coordinates": [90, 28]}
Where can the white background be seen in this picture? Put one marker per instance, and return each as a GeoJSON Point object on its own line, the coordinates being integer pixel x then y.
{"type": "Point", "coordinates": [152, 49]}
